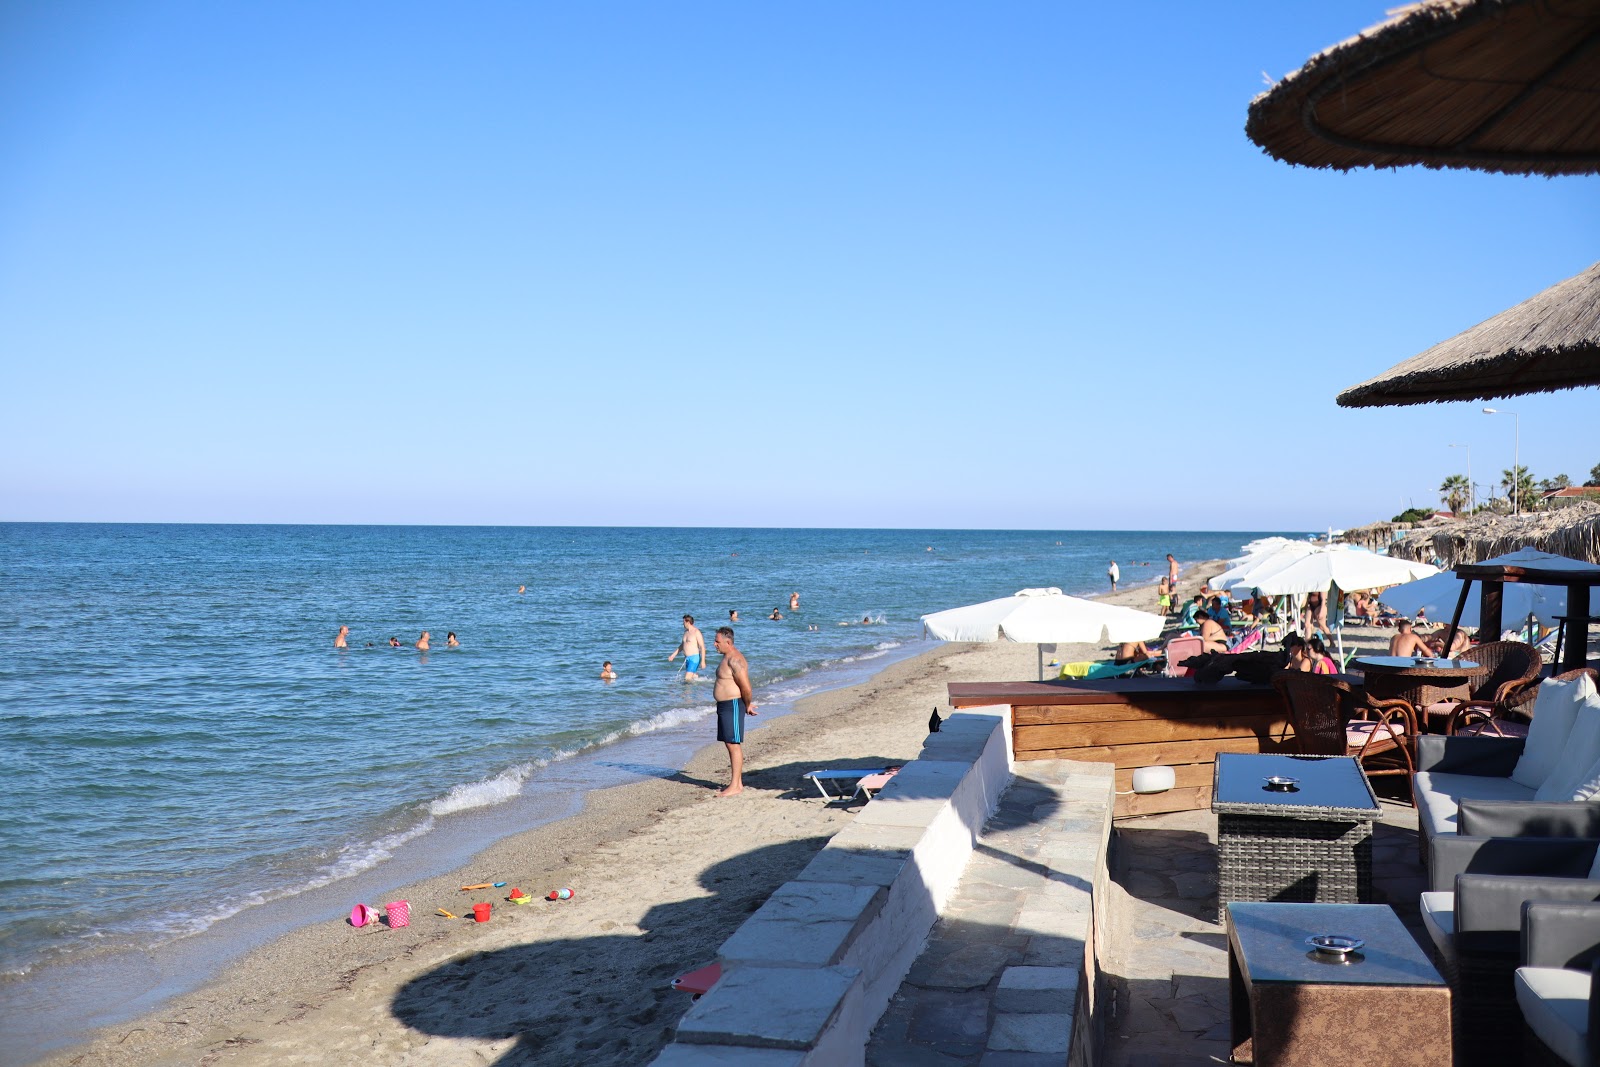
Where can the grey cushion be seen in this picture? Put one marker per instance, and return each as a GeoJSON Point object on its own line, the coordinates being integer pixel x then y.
{"type": "Point", "coordinates": [1437, 792]}
{"type": "Point", "coordinates": [1555, 1004]}
{"type": "Point", "coordinates": [1439, 919]}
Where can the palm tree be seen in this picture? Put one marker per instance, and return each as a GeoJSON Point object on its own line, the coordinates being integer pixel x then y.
{"type": "Point", "coordinates": [1455, 492]}
{"type": "Point", "coordinates": [1519, 486]}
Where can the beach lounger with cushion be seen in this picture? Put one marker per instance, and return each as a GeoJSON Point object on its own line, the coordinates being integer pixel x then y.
{"type": "Point", "coordinates": [1091, 669]}
{"type": "Point", "coordinates": [841, 777]}
{"type": "Point", "coordinates": [868, 787]}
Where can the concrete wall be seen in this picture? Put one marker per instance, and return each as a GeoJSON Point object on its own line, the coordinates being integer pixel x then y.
{"type": "Point", "coordinates": [808, 975]}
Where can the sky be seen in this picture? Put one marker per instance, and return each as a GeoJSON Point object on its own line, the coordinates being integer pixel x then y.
{"type": "Point", "coordinates": [940, 265]}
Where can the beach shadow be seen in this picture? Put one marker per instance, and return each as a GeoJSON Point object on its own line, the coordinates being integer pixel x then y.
{"type": "Point", "coordinates": [597, 1000]}
{"type": "Point", "coordinates": [662, 773]}
{"type": "Point", "coordinates": [786, 779]}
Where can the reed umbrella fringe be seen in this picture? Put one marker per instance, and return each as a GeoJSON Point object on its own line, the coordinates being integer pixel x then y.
{"type": "Point", "coordinates": [1500, 85]}
{"type": "Point", "coordinates": [1573, 531]}
{"type": "Point", "coordinates": [1546, 343]}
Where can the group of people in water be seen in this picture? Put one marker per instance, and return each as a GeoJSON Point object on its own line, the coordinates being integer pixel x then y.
{"type": "Point", "coordinates": [424, 642]}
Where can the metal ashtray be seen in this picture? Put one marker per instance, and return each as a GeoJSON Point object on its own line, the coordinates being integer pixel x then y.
{"type": "Point", "coordinates": [1336, 945]}
{"type": "Point", "coordinates": [1282, 783]}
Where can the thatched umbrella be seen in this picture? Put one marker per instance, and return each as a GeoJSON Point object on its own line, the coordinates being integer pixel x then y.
{"type": "Point", "coordinates": [1501, 85]}
{"type": "Point", "coordinates": [1548, 342]}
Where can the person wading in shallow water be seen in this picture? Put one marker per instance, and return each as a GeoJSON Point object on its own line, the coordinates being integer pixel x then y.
{"type": "Point", "coordinates": [734, 702]}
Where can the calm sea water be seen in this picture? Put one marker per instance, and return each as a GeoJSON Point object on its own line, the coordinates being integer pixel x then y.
{"type": "Point", "coordinates": [183, 742]}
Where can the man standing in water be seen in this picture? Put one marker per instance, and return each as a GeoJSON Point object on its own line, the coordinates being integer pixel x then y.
{"type": "Point", "coordinates": [339, 642]}
{"type": "Point", "coordinates": [693, 647]}
{"type": "Point", "coordinates": [734, 702]}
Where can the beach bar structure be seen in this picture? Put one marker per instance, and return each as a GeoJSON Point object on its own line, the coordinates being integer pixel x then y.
{"type": "Point", "coordinates": [1536, 568]}
{"type": "Point", "coordinates": [1137, 722]}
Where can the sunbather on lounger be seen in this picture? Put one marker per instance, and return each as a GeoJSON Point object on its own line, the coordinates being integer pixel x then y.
{"type": "Point", "coordinates": [1133, 652]}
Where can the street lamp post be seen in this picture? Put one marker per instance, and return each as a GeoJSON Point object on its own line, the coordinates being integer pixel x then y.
{"type": "Point", "coordinates": [1472, 493]}
{"type": "Point", "coordinates": [1516, 459]}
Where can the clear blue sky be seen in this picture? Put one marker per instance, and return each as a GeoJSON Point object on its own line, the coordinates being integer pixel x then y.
{"type": "Point", "coordinates": [822, 264]}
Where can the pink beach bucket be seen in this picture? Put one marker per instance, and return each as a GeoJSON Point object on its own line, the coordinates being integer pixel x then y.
{"type": "Point", "coordinates": [361, 915]}
{"type": "Point", "coordinates": [398, 913]}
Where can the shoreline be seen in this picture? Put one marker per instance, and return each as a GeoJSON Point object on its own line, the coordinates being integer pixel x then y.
{"type": "Point", "coordinates": [324, 982]}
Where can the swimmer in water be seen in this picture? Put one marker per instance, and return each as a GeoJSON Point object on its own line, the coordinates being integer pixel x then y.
{"type": "Point", "coordinates": [733, 615]}
{"type": "Point", "coordinates": [422, 642]}
{"type": "Point", "coordinates": [344, 632]}
{"type": "Point", "coordinates": [521, 589]}
{"type": "Point", "coordinates": [606, 673]}
{"type": "Point", "coordinates": [394, 642]}
{"type": "Point", "coordinates": [450, 640]}
{"type": "Point", "coordinates": [776, 616]}
{"type": "Point", "coordinates": [794, 601]}
{"type": "Point", "coordinates": [866, 620]}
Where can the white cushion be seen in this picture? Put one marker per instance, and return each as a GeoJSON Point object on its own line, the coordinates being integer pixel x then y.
{"type": "Point", "coordinates": [1555, 1004]}
{"type": "Point", "coordinates": [1577, 755]}
{"type": "Point", "coordinates": [1555, 709]}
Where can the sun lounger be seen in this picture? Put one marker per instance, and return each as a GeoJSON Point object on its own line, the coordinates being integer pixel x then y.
{"type": "Point", "coordinates": [1090, 669]}
{"type": "Point", "coordinates": [819, 777]}
{"type": "Point", "coordinates": [868, 787]}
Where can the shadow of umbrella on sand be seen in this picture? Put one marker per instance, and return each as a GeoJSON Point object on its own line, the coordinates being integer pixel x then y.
{"type": "Point", "coordinates": [1044, 616]}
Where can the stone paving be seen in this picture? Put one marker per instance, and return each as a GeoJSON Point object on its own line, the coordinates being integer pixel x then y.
{"type": "Point", "coordinates": [1166, 961]}
{"type": "Point", "coordinates": [989, 991]}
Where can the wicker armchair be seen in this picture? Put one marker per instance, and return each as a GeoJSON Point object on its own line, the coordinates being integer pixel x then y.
{"type": "Point", "coordinates": [1318, 710]}
{"type": "Point", "coordinates": [1487, 715]}
{"type": "Point", "coordinates": [1501, 699]}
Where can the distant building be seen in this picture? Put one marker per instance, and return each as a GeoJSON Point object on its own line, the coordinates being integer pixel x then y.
{"type": "Point", "coordinates": [1573, 492]}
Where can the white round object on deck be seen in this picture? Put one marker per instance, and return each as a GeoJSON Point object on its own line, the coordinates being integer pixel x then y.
{"type": "Point", "coordinates": [1154, 779]}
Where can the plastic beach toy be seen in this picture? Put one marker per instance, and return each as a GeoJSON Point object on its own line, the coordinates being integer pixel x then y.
{"type": "Point", "coordinates": [361, 915]}
{"type": "Point", "coordinates": [480, 912]}
{"type": "Point", "coordinates": [559, 894]}
{"type": "Point", "coordinates": [398, 913]}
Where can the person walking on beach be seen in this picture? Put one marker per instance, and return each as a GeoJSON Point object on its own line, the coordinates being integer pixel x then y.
{"type": "Point", "coordinates": [693, 647]}
{"type": "Point", "coordinates": [734, 702]}
{"type": "Point", "coordinates": [1172, 572]}
{"type": "Point", "coordinates": [1114, 574]}
{"type": "Point", "coordinates": [344, 632]}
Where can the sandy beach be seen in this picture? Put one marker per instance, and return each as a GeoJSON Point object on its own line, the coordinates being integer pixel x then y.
{"type": "Point", "coordinates": [662, 872]}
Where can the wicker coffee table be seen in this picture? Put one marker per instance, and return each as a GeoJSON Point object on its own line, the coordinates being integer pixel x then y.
{"type": "Point", "coordinates": [1310, 843]}
{"type": "Point", "coordinates": [1292, 1006]}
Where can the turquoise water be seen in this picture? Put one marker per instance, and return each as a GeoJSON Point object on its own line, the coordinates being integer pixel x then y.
{"type": "Point", "coordinates": [184, 743]}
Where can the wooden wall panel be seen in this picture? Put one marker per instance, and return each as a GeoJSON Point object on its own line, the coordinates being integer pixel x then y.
{"type": "Point", "coordinates": [1145, 731]}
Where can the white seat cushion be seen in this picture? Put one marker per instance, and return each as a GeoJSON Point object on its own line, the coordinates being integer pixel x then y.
{"type": "Point", "coordinates": [1438, 794]}
{"type": "Point", "coordinates": [1439, 919]}
{"type": "Point", "coordinates": [1356, 733]}
{"type": "Point", "coordinates": [1577, 756]}
{"type": "Point", "coordinates": [1555, 1004]}
{"type": "Point", "coordinates": [1555, 710]}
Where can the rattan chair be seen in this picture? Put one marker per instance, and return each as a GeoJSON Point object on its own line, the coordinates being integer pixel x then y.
{"type": "Point", "coordinates": [1320, 710]}
{"type": "Point", "coordinates": [1502, 699]}
{"type": "Point", "coordinates": [1480, 716]}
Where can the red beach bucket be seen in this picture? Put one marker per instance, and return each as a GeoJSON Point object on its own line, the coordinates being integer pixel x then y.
{"type": "Point", "coordinates": [480, 913]}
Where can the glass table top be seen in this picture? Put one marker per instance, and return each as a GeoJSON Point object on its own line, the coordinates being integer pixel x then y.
{"type": "Point", "coordinates": [1322, 782]}
{"type": "Point", "coordinates": [1271, 938]}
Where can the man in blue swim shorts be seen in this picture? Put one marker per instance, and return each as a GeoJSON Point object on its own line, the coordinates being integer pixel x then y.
{"type": "Point", "coordinates": [734, 702]}
{"type": "Point", "coordinates": [693, 647]}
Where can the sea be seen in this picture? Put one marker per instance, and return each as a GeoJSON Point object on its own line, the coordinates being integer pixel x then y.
{"type": "Point", "coordinates": [190, 761]}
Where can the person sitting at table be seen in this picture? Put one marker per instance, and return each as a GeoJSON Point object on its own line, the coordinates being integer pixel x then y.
{"type": "Point", "coordinates": [1294, 647]}
{"type": "Point", "coordinates": [1133, 652]}
{"type": "Point", "coordinates": [1319, 660]}
{"type": "Point", "coordinates": [1406, 642]}
{"type": "Point", "coordinates": [1213, 637]}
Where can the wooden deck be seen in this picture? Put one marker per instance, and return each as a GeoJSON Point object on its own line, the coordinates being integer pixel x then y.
{"type": "Point", "coordinates": [1137, 722]}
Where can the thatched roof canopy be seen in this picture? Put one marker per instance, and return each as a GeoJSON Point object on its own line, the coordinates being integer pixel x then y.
{"type": "Point", "coordinates": [1499, 85]}
{"type": "Point", "coordinates": [1572, 531]}
{"type": "Point", "coordinates": [1547, 342]}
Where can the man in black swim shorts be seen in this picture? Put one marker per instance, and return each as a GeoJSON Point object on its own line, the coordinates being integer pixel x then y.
{"type": "Point", "coordinates": [734, 702]}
